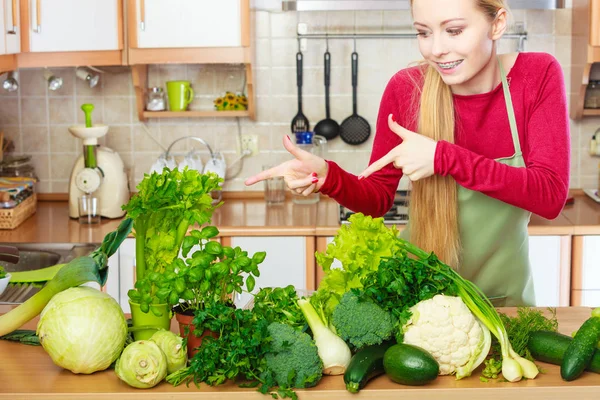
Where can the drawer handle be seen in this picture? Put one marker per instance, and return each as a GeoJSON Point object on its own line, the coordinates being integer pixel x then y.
{"type": "Point", "coordinates": [14, 18]}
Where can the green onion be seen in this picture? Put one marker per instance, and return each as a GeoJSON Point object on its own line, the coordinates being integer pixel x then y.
{"type": "Point", "coordinates": [514, 367]}
{"type": "Point", "coordinates": [92, 268]}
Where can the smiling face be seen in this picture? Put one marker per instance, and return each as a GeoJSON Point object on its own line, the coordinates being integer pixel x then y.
{"type": "Point", "coordinates": [456, 37]}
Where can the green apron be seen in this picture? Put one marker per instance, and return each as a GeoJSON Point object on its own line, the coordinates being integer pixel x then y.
{"type": "Point", "coordinates": [494, 237]}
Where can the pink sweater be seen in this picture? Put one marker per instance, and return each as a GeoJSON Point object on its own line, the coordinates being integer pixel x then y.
{"type": "Point", "coordinates": [482, 135]}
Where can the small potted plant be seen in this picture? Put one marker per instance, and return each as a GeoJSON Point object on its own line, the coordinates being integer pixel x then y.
{"type": "Point", "coordinates": [163, 210]}
{"type": "Point", "coordinates": [212, 274]}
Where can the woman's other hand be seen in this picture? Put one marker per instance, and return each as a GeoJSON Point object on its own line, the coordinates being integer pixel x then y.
{"type": "Point", "coordinates": [414, 156]}
{"type": "Point", "coordinates": [304, 174]}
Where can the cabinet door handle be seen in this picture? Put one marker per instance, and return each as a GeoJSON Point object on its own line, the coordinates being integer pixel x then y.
{"type": "Point", "coordinates": [13, 31]}
{"type": "Point", "coordinates": [38, 17]}
{"type": "Point", "coordinates": [142, 15]}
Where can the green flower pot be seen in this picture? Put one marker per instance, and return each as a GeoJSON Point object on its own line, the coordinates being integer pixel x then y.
{"type": "Point", "coordinates": [140, 318]}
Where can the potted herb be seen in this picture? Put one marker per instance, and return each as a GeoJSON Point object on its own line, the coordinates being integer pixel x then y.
{"type": "Point", "coordinates": [163, 210]}
{"type": "Point", "coordinates": [212, 274]}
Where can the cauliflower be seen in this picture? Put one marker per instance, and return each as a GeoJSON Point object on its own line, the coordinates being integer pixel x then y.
{"type": "Point", "coordinates": [447, 329]}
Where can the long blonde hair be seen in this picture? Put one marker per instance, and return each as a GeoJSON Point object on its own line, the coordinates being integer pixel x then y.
{"type": "Point", "coordinates": [434, 200]}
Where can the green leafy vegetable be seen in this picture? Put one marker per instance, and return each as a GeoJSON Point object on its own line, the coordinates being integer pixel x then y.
{"type": "Point", "coordinates": [83, 330]}
{"type": "Point", "coordinates": [401, 282]}
{"type": "Point", "coordinates": [25, 336]}
{"type": "Point", "coordinates": [213, 272]}
{"type": "Point", "coordinates": [2, 272]}
{"type": "Point", "coordinates": [237, 353]}
{"type": "Point", "coordinates": [279, 305]}
{"type": "Point", "coordinates": [359, 246]}
{"type": "Point", "coordinates": [519, 328]}
{"type": "Point", "coordinates": [166, 205]}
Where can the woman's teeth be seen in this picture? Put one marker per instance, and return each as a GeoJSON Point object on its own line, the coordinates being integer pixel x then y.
{"type": "Point", "coordinates": [450, 65]}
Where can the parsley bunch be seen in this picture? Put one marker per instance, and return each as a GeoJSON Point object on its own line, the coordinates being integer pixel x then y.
{"type": "Point", "coordinates": [279, 305]}
{"type": "Point", "coordinates": [237, 353]}
{"type": "Point", "coordinates": [401, 282]}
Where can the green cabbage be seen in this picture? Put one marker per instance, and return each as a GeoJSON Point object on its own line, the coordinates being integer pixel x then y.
{"type": "Point", "coordinates": [83, 330]}
{"type": "Point", "coordinates": [142, 365]}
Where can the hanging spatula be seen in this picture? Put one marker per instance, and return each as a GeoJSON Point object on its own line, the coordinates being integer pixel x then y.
{"type": "Point", "coordinates": [300, 122]}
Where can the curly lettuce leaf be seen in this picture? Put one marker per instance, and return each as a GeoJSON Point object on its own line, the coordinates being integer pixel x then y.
{"type": "Point", "coordinates": [359, 246]}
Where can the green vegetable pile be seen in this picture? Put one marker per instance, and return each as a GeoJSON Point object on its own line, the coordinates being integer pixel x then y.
{"type": "Point", "coordinates": [2, 272]}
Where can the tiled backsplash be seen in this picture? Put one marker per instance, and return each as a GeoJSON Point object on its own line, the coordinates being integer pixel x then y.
{"type": "Point", "coordinates": [37, 119]}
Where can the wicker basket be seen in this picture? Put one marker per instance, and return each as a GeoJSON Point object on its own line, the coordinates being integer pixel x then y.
{"type": "Point", "coordinates": [13, 217]}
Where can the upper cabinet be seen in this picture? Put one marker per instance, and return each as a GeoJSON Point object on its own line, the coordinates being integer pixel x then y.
{"type": "Point", "coordinates": [72, 25]}
{"type": "Point", "coordinates": [188, 23]}
{"type": "Point", "coordinates": [12, 28]}
{"type": "Point", "coordinates": [585, 52]}
{"type": "Point", "coordinates": [188, 31]}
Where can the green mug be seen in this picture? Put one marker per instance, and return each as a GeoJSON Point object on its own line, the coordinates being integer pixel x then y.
{"type": "Point", "coordinates": [180, 94]}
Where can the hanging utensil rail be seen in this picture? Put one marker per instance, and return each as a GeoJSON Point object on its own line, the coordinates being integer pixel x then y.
{"type": "Point", "coordinates": [522, 36]}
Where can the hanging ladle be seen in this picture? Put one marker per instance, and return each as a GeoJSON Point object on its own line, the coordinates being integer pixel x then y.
{"type": "Point", "coordinates": [328, 128]}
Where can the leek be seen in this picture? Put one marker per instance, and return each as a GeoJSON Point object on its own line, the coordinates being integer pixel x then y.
{"type": "Point", "coordinates": [92, 268]}
{"type": "Point", "coordinates": [514, 367]}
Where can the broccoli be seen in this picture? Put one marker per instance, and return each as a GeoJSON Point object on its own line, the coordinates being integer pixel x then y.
{"type": "Point", "coordinates": [360, 321]}
{"type": "Point", "coordinates": [293, 359]}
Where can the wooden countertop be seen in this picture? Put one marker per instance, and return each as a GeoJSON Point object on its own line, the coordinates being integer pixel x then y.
{"type": "Point", "coordinates": [27, 373]}
{"type": "Point", "coordinates": [252, 217]}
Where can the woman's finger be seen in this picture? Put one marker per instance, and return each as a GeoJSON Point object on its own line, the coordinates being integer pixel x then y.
{"type": "Point", "coordinates": [294, 150]}
{"type": "Point", "coordinates": [303, 182]}
{"type": "Point", "coordinates": [309, 189]}
{"type": "Point", "coordinates": [379, 164]}
{"type": "Point", "coordinates": [277, 170]}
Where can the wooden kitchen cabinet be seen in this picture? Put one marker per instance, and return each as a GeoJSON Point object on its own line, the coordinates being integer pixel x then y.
{"type": "Point", "coordinates": [585, 45]}
{"type": "Point", "coordinates": [187, 23]}
{"type": "Point", "coordinates": [126, 272]}
{"type": "Point", "coordinates": [585, 285]}
{"type": "Point", "coordinates": [550, 264]}
{"type": "Point", "coordinates": [12, 29]}
{"type": "Point", "coordinates": [289, 261]}
{"type": "Point", "coordinates": [550, 260]}
{"type": "Point", "coordinates": [72, 25]}
{"type": "Point", "coordinates": [8, 35]}
{"type": "Point", "coordinates": [70, 33]}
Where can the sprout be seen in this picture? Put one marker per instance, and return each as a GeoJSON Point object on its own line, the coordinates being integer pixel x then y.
{"type": "Point", "coordinates": [142, 365]}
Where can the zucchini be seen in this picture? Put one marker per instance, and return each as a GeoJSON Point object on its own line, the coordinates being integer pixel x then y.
{"type": "Point", "coordinates": [410, 365]}
{"type": "Point", "coordinates": [581, 350]}
{"type": "Point", "coordinates": [550, 347]}
{"type": "Point", "coordinates": [365, 365]}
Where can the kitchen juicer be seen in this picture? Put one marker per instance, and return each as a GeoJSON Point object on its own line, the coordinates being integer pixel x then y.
{"type": "Point", "coordinates": [98, 171]}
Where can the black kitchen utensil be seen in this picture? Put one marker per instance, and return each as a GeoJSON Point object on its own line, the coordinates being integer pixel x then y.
{"type": "Point", "coordinates": [355, 129]}
{"type": "Point", "coordinates": [300, 122]}
{"type": "Point", "coordinates": [328, 128]}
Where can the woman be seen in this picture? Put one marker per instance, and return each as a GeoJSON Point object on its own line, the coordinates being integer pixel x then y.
{"type": "Point", "coordinates": [484, 138]}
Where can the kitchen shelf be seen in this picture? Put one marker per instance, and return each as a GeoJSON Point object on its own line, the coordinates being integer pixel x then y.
{"type": "Point", "coordinates": [589, 112]}
{"type": "Point", "coordinates": [192, 114]}
{"type": "Point", "coordinates": [140, 83]}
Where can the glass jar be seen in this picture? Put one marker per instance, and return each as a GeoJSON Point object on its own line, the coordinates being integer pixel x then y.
{"type": "Point", "coordinates": [156, 99]}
